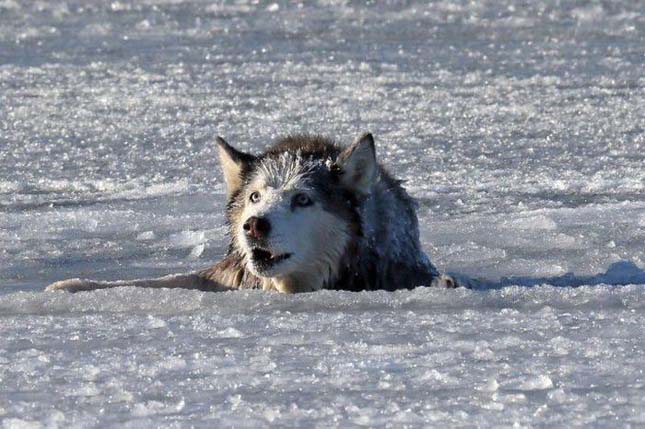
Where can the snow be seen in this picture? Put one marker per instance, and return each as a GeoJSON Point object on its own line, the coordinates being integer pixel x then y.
{"type": "Point", "coordinates": [518, 127]}
{"type": "Point", "coordinates": [549, 355]}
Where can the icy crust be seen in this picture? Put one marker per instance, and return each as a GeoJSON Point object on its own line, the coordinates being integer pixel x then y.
{"type": "Point", "coordinates": [489, 111]}
{"type": "Point", "coordinates": [518, 127]}
{"type": "Point", "coordinates": [581, 242]}
{"type": "Point", "coordinates": [141, 358]}
{"type": "Point", "coordinates": [239, 303]}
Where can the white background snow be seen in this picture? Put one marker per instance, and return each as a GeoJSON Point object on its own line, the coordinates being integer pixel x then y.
{"type": "Point", "coordinates": [519, 126]}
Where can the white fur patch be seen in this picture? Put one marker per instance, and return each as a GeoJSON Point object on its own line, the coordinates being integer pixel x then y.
{"type": "Point", "coordinates": [315, 238]}
{"type": "Point", "coordinates": [287, 171]}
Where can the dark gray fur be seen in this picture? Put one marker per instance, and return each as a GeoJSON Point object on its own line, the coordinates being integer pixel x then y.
{"type": "Point", "coordinates": [368, 264]}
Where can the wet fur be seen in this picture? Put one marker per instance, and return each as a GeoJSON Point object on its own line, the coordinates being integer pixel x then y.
{"type": "Point", "coordinates": [362, 267]}
{"type": "Point", "coordinates": [381, 248]}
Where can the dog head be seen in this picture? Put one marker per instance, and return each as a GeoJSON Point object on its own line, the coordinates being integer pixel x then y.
{"type": "Point", "coordinates": [293, 211]}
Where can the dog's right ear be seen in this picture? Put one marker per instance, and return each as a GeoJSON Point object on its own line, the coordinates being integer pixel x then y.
{"type": "Point", "coordinates": [234, 164]}
{"type": "Point", "coordinates": [358, 165]}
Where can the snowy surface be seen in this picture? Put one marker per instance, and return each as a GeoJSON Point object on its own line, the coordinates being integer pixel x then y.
{"type": "Point", "coordinates": [518, 126]}
{"type": "Point", "coordinates": [542, 355]}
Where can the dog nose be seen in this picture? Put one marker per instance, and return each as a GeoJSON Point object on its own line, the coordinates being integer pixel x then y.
{"type": "Point", "coordinates": [257, 227]}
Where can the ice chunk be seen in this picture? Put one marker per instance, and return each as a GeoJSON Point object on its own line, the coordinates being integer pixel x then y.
{"type": "Point", "coordinates": [186, 239]}
{"type": "Point", "coordinates": [196, 251]}
{"type": "Point", "coordinates": [149, 408]}
{"type": "Point", "coordinates": [538, 382]}
{"type": "Point", "coordinates": [146, 235]}
{"type": "Point", "coordinates": [16, 423]}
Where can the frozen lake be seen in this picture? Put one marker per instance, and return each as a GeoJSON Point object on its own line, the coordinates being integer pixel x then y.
{"type": "Point", "coordinates": [517, 126]}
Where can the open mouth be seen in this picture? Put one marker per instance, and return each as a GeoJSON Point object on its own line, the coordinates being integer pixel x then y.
{"type": "Point", "coordinates": [263, 259]}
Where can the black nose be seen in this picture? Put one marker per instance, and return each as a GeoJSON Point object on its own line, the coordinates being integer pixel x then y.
{"type": "Point", "coordinates": [257, 227]}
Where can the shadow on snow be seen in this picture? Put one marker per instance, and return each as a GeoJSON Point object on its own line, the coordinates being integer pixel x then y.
{"type": "Point", "coordinates": [618, 274]}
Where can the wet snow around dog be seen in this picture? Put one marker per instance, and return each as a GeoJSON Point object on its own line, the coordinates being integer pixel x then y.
{"type": "Point", "coordinates": [518, 127]}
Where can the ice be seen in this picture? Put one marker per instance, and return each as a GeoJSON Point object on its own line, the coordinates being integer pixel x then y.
{"type": "Point", "coordinates": [539, 382]}
{"type": "Point", "coordinates": [186, 238]}
{"type": "Point", "coordinates": [196, 252]}
{"type": "Point", "coordinates": [146, 235]}
{"type": "Point", "coordinates": [267, 358]}
{"type": "Point", "coordinates": [20, 424]}
{"type": "Point", "coordinates": [518, 127]}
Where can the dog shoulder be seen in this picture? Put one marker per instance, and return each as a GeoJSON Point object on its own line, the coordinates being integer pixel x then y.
{"type": "Point", "coordinates": [230, 272]}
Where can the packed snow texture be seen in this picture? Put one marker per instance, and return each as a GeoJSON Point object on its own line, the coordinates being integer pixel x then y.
{"type": "Point", "coordinates": [517, 126]}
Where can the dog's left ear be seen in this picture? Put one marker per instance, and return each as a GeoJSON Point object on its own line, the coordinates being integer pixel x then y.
{"type": "Point", "coordinates": [358, 165]}
{"type": "Point", "coordinates": [234, 164]}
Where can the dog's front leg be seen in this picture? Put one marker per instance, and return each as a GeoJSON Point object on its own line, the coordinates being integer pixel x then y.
{"type": "Point", "coordinates": [183, 281]}
{"type": "Point", "coordinates": [444, 281]}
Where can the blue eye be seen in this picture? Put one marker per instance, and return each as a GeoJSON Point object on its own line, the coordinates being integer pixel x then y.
{"type": "Point", "coordinates": [254, 197]}
{"type": "Point", "coordinates": [302, 200]}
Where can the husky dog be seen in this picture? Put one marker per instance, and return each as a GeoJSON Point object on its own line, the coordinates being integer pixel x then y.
{"type": "Point", "coordinates": [309, 215]}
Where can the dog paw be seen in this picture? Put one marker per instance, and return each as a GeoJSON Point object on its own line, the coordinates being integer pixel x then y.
{"type": "Point", "coordinates": [444, 281]}
{"type": "Point", "coordinates": [71, 285]}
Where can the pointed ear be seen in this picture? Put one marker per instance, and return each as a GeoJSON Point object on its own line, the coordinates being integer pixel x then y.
{"type": "Point", "coordinates": [358, 165]}
{"type": "Point", "coordinates": [233, 163]}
